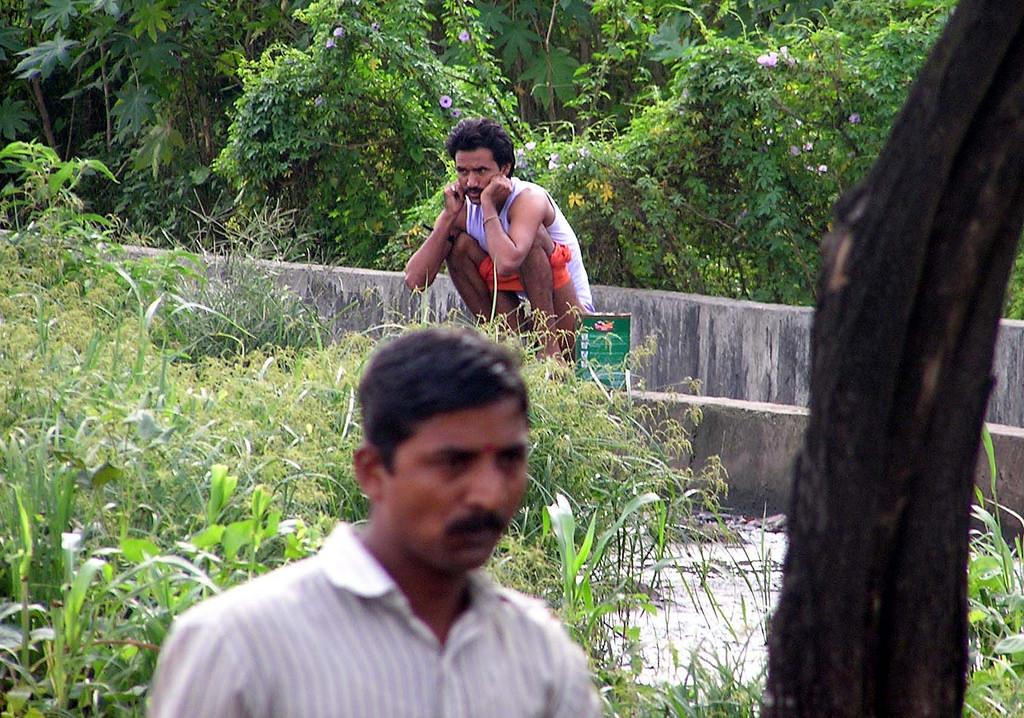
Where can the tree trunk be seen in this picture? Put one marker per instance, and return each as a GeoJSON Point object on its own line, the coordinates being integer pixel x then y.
{"type": "Point", "coordinates": [872, 616]}
{"type": "Point", "coordinates": [44, 114]}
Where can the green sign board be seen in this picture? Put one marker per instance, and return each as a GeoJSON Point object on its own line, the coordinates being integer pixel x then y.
{"type": "Point", "coordinates": [602, 348]}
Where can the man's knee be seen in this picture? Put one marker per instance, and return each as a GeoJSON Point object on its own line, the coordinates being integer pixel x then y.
{"type": "Point", "coordinates": [537, 262]}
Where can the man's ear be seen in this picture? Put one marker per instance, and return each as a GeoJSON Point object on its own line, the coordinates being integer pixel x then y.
{"type": "Point", "coordinates": [370, 470]}
{"type": "Point", "coordinates": [506, 169]}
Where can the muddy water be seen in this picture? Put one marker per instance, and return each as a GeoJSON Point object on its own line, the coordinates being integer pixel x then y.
{"type": "Point", "coordinates": [713, 601]}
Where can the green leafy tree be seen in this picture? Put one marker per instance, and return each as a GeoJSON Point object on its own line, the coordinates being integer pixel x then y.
{"type": "Point", "coordinates": [142, 84]}
{"type": "Point", "coordinates": [725, 186]}
{"type": "Point", "coordinates": [350, 129]}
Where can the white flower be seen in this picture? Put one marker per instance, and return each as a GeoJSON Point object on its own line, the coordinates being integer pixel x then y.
{"type": "Point", "coordinates": [71, 541]}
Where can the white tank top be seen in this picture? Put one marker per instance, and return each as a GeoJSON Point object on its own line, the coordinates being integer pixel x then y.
{"type": "Point", "coordinates": [560, 231]}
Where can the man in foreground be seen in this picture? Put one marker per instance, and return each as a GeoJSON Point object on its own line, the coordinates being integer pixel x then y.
{"type": "Point", "coordinates": [509, 241]}
{"type": "Point", "coordinates": [392, 619]}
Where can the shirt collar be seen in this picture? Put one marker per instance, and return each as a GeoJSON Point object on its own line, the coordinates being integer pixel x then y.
{"type": "Point", "coordinates": [350, 566]}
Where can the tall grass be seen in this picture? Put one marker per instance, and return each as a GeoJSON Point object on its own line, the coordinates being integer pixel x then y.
{"type": "Point", "coordinates": [147, 466]}
{"type": "Point", "coordinates": [995, 590]}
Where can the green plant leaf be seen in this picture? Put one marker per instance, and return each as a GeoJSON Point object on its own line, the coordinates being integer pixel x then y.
{"type": "Point", "coordinates": [57, 12]}
{"type": "Point", "coordinates": [634, 505]}
{"type": "Point", "coordinates": [518, 41]}
{"type": "Point", "coordinates": [133, 109]}
{"type": "Point", "coordinates": [666, 45]}
{"type": "Point", "coordinates": [208, 537]}
{"type": "Point", "coordinates": [110, 7]}
{"type": "Point", "coordinates": [41, 59]}
{"type": "Point", "coordinates": [554, 71]}
{"type": "Point", "coordinates": [222, 487]}
{"type": "Point", "coordinates": [236, 535]}
{"type": "Point", "coordinates": [104, 474]}
{"type": "Point", "coordinates": [10, 41]}
{"type": "Point", "coordinates": [563, 528]}
{"type": "Point", "coordinates": [1010, 644]}
{"type": "Point", "coordinates": [137, 550]}
{"type": "Point", "coordinates": [588, 542]}
{"type": "Point", "coordinates": [149, 19]}
{"type": "Point", "coordinates": [75, 598]}
{"type": "Point", "coordinates": [146, 425]}
{"type": "Point", "coordinates": [10, 638]}
{"type": "Point", "coordinates": [27, 544]}
{"type": "Point", "coordinates": [14, 118]}
{"type": "Point", "coordinates": [158, 148]}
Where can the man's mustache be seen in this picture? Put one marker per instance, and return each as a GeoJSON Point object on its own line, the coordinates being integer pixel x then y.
{"type": "Point", "coordinates": [483, 521]}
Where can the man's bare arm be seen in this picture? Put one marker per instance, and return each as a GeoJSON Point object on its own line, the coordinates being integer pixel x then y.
{"type": "Point", "coordinates": [525, 217]}
{"type": "Point", "coordinates": [424, 264]}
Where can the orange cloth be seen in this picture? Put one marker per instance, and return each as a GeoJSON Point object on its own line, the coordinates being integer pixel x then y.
{"type": "Point", "coordinates": [511, 282]}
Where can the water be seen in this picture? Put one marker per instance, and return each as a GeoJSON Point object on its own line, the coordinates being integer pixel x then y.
{"type": "Point", "coordinates": [714, 600]}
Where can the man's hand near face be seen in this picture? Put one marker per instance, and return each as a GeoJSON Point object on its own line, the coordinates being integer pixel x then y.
{"type": "Point", "coordinates": [425, 263]}
{"type": "Point", "coordinates": [454, 201]}
{"type": "Point", "coordinates": [495, 194]}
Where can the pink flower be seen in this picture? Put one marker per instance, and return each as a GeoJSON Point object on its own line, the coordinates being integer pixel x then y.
{"type": "Point", "coordinates": [339, 31]}
{"type": "Point", "coordinates": [854, 118]}
{"type": "Point", "coordinates": [445, 101]}
{"type": "Point", "coordinates": [794, 150]}
{"type": "Point", "coordinates": [464, 36]}
{"type": "Point", "coordinates": [770, 59]}
{"type": "Point", "coordinates": [456, 112]}
{"type": "Point", "coordinates": [330, 44]}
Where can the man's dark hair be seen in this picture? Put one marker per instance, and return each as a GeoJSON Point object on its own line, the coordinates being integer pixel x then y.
{"type": "Point", "coordinates": [482, 132]}
{"type": "Point", "coordinates": [431, 372]}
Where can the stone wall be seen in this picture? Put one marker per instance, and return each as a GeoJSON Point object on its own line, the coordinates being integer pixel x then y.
{"type": "Point", "coordinates": [757, 444]}
{"type": "Point", "coordinates": [737, 350]}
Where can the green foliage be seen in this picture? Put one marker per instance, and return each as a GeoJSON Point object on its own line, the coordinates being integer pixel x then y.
{"type": "Point", "coordinates": [145, 483]}
{"type": "Point", "coordinates": [1015, 289]}
{"type": "Point", "coordinates": [696, 175]}
{"type": "Point", "coordinates": [726, 187]}
{"type": "Point", "coordinates": [350, 128]}
{"type": "Point", "coordinates": [995, 593]}
{"type": "Point", "coordinates": [38, 185]}
{"type": "Point", "coordinates": [136, 83]}
{"type": "Point", "coordinates": [240, 312]}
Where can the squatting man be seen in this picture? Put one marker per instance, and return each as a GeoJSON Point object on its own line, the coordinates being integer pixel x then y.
{"type": "Point", "coordinates": [509, 241]}
{"type": "Point", "coordinates": [393, 619]}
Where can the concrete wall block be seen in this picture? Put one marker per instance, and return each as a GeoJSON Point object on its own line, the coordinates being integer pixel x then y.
{"type": "Point", "coordinates": [758, 443]}
{"type": "Point", "coordinates": [748, 351]}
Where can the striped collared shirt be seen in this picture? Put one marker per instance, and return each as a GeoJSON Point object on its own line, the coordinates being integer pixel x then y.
{"type": "Point", "coordinates": [332, 636]}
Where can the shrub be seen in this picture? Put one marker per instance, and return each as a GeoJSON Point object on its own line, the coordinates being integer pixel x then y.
{"type": "Point", "coordinates": [725, 185]}
{"type": "Point", "coordinates": [350, 129]}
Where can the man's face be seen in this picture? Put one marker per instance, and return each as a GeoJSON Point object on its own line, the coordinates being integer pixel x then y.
{"type": "Point", "coordinates": [475, 169]}
{"type": "Point", "coordinates": [453, 487]}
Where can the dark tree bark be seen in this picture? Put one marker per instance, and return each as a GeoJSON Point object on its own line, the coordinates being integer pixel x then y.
{"type": "Point", "coordinates": [872, 616]}
{"type": "Point", "coordinates": [44, 114]}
